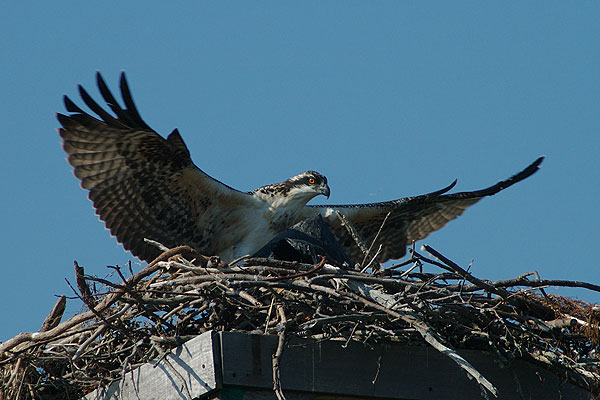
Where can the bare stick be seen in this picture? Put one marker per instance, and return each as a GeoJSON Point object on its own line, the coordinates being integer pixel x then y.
{"type": "Point", "coordinates": [53, 319]}
{"type": "Point", "coordinates": [83, 286]}
{"type": "Point", "coordinates": [468, 277]}
{"type": "Point", "coordinates": [375, 240]}
{"type": "Point", "coordinates": [156, 244]}
{"type": "Point", "coordinates": [353, 233]}
{"type": "Point", "coordinates": [277, 356]}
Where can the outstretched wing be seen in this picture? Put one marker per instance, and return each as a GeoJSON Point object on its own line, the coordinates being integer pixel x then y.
{"type": "Point", "coordinates": [408, 219]}
{"type": "Point", "coordinates": [142, 185]}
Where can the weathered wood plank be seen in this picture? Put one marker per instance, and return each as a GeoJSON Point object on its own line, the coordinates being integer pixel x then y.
{"type": "Point", "coordinates": [238, 366]}
{"type": "Point", "coordinates": [196, 364]}
{"type": "Point", "coordinates": [388, 371]}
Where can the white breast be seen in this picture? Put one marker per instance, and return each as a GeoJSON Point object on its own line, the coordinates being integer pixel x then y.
{"type": "Point", "coordinates": [257, 235]}
{"type": "Point", "coordinates": [271, 216]}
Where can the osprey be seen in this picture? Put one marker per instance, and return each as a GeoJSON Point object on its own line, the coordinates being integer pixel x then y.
{"type": "Point", "coordinates": [145, 186]}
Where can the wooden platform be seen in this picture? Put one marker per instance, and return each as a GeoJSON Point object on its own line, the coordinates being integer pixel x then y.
{"type": "Point", "coordinates": [228, 366]}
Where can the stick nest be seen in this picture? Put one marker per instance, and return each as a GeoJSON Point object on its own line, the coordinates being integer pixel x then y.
{"type": "Point", "coordinates": [135, 318]}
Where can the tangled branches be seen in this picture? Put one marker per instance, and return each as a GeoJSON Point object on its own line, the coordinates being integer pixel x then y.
{"type": "Point", "coordinates": [423, 300]}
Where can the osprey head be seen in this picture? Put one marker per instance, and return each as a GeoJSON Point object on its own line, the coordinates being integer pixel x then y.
{"type": "Point", "coordinates": [309, 184]}
{"type": "Point", "coordinates": [297, 190]}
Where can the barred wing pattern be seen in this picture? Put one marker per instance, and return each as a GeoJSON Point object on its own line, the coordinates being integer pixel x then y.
{"type": "Point", "coordinates": [410, 219]}
{"type": "Point", "coordinates": [142, 185]}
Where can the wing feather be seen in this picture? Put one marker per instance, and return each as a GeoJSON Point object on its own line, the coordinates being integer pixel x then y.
{"type": "Point", "coordinates": [410, 218]}
{"type": "Point", "coordinates": [142, 185]}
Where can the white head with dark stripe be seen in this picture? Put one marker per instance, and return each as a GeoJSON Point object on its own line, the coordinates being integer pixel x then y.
{"type": "Point", "coordinates": [297, 190]}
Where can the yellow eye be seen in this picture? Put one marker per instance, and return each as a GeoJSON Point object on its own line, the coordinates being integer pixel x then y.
{"type": "Point", "coordinates": [311, 180]}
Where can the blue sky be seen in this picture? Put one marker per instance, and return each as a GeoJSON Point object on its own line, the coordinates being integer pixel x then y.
{"type": "Point", "coordinates": [387, 99]}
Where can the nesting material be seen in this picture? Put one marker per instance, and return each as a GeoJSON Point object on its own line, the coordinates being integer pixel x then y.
{"type": "Point", "coordinates": [427, 300]}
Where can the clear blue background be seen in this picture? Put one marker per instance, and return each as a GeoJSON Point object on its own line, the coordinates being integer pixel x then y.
{"type": "Point", "coordinates": [388, 99]}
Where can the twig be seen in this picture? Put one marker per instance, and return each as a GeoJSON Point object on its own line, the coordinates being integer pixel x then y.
{"type": "Point", "coordinates": [304, 273]}
{"type": "Point", "coordinates": [156, 244]}
{"type": "Point", "coordinates": [277, 356]}
{"type": "Point", "coordinates": [353, 233]}
{"type": "Point", "coordinates": [374, 241]}
{"type": "Point", "coordinates": [83, 287]}
{"type": "Point", "coordinates": [377, 370]}
{"type": "Point", "coordinates": [467, 276]}
{"type": "Point", "coordinates": [269, 314]}
{"type": "Point", "coordinates": [373, 260]}
{"type": "Point", "coordinates": [53, 319]}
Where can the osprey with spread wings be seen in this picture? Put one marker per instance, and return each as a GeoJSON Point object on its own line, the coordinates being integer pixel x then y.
{"type": "Point", "coordinates": [145, 186]}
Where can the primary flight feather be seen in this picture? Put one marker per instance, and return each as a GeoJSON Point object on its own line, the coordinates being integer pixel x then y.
{"type": "Point", "coordinates": [145, 186]}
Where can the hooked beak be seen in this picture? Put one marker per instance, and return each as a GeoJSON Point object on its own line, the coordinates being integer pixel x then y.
{"type": "Point", "coordinates": [325, 190]}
